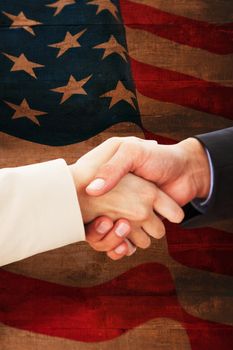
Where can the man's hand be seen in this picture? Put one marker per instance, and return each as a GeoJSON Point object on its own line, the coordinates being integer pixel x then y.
{"type": "Point", "coordinates": [180, 170]}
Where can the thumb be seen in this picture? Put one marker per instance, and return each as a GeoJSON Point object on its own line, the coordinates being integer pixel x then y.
{"type": "Point", "coordinates": [110, 173]}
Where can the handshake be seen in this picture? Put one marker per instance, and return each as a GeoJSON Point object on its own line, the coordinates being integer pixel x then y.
{"type": "Point", "coordinates": [127, 186]}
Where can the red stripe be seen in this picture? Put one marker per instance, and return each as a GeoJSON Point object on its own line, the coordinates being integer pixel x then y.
{"type": "Point", "coordinates": [211, 37]}
{"type": "Point", "coordinates": [201, 248]}
{"type": "Point", "coordinates": [160, 139]}
{"type": "Point", "coordinates": [103, 312]}
{"type": "Point", "coordinates": [168, 86]}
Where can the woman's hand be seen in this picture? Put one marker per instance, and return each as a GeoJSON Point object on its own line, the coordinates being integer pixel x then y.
{"type": "Point", "coordinates": [105, 236]}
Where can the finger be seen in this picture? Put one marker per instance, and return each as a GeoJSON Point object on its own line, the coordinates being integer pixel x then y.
{"type": "Point", "coordinates": [114, 238]}
{"type": "Point", "coordinates": [139, 238]}
{"type": "Point", "coordinates": [110, 173]}
{"type": "Point", "coordinates": [98, 228]}
{"type": "Point", "coordinates": [119, 252]}
{"type": "Point", "coordinates": [150, 142]}
{"type": "Point", "coordinates": [154, 227]}
{"type": "Point", "coordinates": [131, 247]}
{"type": "Point", "coordinates": [167, 207]}
{"type": "Point", "coordinates": [125, 248]}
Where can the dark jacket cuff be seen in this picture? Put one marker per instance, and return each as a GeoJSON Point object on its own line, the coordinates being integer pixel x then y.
{"type": "Point", "coordinates": [220, 206]}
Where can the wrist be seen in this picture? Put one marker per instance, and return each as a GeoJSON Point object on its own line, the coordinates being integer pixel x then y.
{"type": "Point", "coordinates": [83, 198]}
{"type": "Point", "coordinates": [198, 167]}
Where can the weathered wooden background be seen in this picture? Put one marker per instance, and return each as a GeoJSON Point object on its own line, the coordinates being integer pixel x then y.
{"type": "Point", "coordinates": [200, 267]}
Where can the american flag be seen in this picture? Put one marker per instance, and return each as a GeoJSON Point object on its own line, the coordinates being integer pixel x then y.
{"type": "Point", "coordinates": [73, 73]}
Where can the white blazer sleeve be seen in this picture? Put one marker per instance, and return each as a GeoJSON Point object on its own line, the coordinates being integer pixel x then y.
{"type": "Point", "coordinates": [39, 210]}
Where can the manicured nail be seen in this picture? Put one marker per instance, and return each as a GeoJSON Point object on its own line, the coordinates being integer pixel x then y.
{"type": "Point", "coordinates": [96, 185]}
{"type": "Point", "coordinates": [104, 227]}
{"type": "Point", "coordinates": [120, 249]}
{"type": "Point", "coordinates": [131, 248]}
{"type": "Point", "coordinates": [122, 229]}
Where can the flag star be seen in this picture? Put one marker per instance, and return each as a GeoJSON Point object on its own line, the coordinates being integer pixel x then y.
{"type": "Point", "coordinates": [60, 4]}
{"type": "Point", "coordinates": [105, 5]}
{"type": "Point", "coordinates": [24, 111]}
{"type": "Point", "coordinates": [112, 46]}
{"type": "Point", "coordinates": [70, 41]}
{"type": "Point", "coordinates": [22, 21]}
{"type": "Point", "coordinates": [120, 94]}
{"type": "Point", "coordinates": [22, 63]}
{"type": "Point", "coordinates": [73, 87]}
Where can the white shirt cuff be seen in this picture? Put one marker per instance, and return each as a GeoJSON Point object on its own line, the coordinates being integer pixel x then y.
{"type": "Point", "coordinates": [39, 210]}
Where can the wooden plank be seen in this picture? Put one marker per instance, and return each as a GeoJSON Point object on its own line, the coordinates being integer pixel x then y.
{"type": "Point", "coordinates": [163, 53]}
{"type": "Point", "coordinates": [201, 293]}
{"type": "Point", "coordinates": [175, 121]}
{"type": "Point", "coordinates": [214, 11]}
{"type": "Point", "coordinates": [159, 334]}
{"type": "Point", "coordinates": [17, 152]}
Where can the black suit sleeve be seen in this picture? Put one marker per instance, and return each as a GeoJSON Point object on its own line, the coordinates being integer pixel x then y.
{"type": "Point", "coordinates": [220, 206]}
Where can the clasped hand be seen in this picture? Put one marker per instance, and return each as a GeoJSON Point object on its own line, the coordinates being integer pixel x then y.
{"type": "Point", "coordinates": [134, 185]}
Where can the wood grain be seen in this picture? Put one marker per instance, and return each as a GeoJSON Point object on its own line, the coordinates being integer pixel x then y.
{"type": "Point", "coordinates": [159, 334]}
{"type": "Point", "coordinates": [175, 121]}
{"type": "Point", "coordinates": [151, 49]}
{"type": "Point", "coordinates": [201, 293]}
{"type": "Point", "coordinates": [18, 152]}
{"type": "Point", "coordinates": [214, 11]}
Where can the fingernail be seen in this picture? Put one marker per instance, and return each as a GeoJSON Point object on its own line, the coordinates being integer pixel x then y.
{"type": "Point", "coordinates": [122, 229]}
{"type": "Point", "coordinates": [96, 185]}
{"type": "Point", "coordinates": [120, 249]}
{"type": "Point", "coordinates": [131, 248]}
{"type": "Point", "coordinates": [104, 227]}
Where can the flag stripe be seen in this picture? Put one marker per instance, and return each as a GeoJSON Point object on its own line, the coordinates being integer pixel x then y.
{"type": "Point", "coordinates": [106, 311]}
{"type": "Point", "coordinates": [168, 86]}
{"type": "Point", "coordinates": [119, 306]}
{"type": "Point", "coordinates": [17, 152]}
{"type": "Point", "coordinates": [202, 10]}
{"type": "Point", "coordinates": [159, 52]}
{"type": "Point", "coordinates": [152, 335]}
{"type": "Point", "coordinates": [212, 247]}
{"type": "Point", "coordinates": [194, 287]}
{"type": "Point", "coordinates": [175, 121]}
{"type": "Point", "coordinates": [179, 29]}
{"type": "Point", "coordinates": [159, 138]}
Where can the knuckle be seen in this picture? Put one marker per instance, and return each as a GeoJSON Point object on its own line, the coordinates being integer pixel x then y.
{"type": "Point", "coordinates": [132, 150]}
{"type": "Point", "coordinates": [136, 150]}
{"type": "Point", "coordinates": [113, 139]}
{"type": "Point", "coordinates": [133, 139]}
{"type": "Point", "coordinates": [106, 247]}
{"type": "Point", "coordinates": [129, 145]}
{"type": "Point", "coordinates": [95, 246]}
{"type": "Point", "coordinates": [108, 168]}
{"type": "Point", "coordinates": [101, 246]}
{"type": "Point", "coordinates": [142, 214]}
